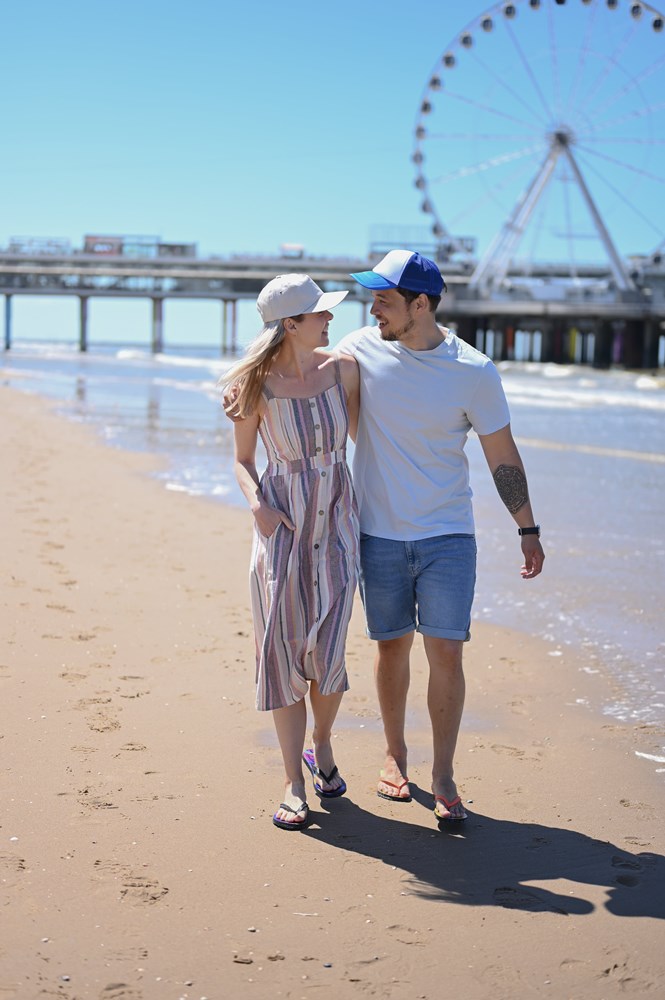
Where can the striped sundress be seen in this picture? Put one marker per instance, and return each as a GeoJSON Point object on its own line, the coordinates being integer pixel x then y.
{"type": "Point", "coordinates": [302, 582]}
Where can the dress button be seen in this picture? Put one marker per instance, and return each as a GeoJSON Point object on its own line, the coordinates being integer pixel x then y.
{"type": "Point", "coordinates": [316, 583]}
{"type": "Point", "coordinates": [316, 545]}
{"type": "Point", "coordinates": [321, 512]}
{"type": "Point", "coordinates": [317, 427]}
{"type": "Point", "coordinates": [318, 449]}
{"type": "Point", "coordinates": [312, 403]}
{"type": "Point", "coordinates": [323, 473]}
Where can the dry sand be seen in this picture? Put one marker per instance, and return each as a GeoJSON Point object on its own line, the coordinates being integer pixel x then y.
{"type": "Point", "coordinates": [137, 855]}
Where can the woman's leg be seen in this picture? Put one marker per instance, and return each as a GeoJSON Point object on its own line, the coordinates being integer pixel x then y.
{"type": "Point", "coordinates": [290, 725]}
{"type": "Point", "coordinates": [324, 710]}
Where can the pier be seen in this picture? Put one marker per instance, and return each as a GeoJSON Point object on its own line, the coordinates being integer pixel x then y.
{"type": "Point", "coordinates": [536, 314]}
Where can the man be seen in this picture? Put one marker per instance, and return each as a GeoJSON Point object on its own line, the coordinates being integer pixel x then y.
{"type": "Point", "coordinates": [422, 390]}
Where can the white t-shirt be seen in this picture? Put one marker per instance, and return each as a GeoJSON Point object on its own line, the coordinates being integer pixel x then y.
{"type": "Point", "coordinates": [410, 473]}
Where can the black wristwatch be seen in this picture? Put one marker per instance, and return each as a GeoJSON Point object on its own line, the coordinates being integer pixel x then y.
{"type": "Point", "coordinates": [529, 531]}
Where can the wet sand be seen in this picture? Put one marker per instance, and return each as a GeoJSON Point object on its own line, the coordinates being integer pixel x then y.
{"type": "Point", "coordinates": [137, 856]}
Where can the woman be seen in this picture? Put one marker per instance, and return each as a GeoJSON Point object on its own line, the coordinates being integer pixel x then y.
{"type": "Point", "coordinates": [302, 401]}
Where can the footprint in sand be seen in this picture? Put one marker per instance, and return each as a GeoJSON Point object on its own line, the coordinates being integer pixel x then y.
{"type": "Point", "coordinates": [84, 752]}
{"type": "Point", "coordinates": [120, 991]}
{"type": "Point", "coordinates": [11, 868]}
{"type": "Point", "coordinates": [72, 676]}
{"type": "Point", "coordinates": [134, 887]}
{"type": "Point", "coordinates": [102, 722]}
{"type": "Point", "coordinates": [102, 717]}
{"type": "Point", "coordinates": [405, 935]}
{"type": "Point", "coordinates": [129, 954]}
{"type": "Point", "coordinates": [11, 863]}
{"type": "Point", "coordinates": [94, 802]}
{"type": "Point", "coordinates": [646, 810]}
{"type": "Point", "coordinates": [511, 751]}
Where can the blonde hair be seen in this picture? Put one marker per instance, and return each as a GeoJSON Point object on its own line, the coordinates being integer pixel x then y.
{"type": "Point", "coordinates": [244, 381]}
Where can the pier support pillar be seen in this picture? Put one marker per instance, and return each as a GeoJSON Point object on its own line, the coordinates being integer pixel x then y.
{"type": "Point", "coordinates": [83, 323]}
{"type": "Point", "coordinates": [602, 354]}
{"type": "Point", "coordinates": [633, 345]}
{"type": "Point", "coordinates": [157, 325]}
{"type": "Point", "coordinates": [560, 342]}
{"type": "Point", "coordinates": [466, 330]}
{"type": "Point", "coordinates": [547, 351]}
{"type": "Point", "coordinates": [233, 345]}
{"type": "Point", "coordinates": [651, 337]}
{"type": "Point", "coordinates": [225, 326]}
{"type": "Point", "coordinates": [234, 325]}
{"type": "Point", "coordinates": [8, 322]}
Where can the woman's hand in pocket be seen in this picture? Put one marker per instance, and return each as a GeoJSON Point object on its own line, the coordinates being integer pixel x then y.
{"type": "Point", "coordinates": [268, 520]}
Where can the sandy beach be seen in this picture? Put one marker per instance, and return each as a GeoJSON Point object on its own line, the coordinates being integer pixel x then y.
{"type": "Point", "coordinates": [138, 860]}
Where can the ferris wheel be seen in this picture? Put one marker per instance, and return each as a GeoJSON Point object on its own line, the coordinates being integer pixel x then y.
{"type": "Point", "coordinates": [541, 131]}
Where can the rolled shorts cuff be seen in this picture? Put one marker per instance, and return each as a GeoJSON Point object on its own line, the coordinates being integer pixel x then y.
{"type": "Point", "coordinates": [396, 634]}
{"type": "Point", "coordinates": [445, 633]}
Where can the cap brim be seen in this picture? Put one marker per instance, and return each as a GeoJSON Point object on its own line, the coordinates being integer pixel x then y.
{"type": "Point", "coordinates": [328, 301]}
{"type": "Point", "coordinates": [370, 279]}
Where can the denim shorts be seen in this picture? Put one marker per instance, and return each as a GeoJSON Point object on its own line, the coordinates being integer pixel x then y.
{"type": "Point", "coordinates": [426, 585]}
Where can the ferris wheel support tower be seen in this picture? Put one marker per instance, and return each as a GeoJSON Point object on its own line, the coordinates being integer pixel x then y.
{"type": "Point", "coordinates": [493, 266]}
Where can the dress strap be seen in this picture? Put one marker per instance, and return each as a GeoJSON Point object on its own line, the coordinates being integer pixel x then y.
{"type": "Point", "coordinates": [267, 392]}
{"type": "Point", "coordinates": [338, 371]}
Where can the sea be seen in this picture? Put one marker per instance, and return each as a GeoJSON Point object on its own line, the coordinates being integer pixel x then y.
{"type": "Point", "coordinates": [593, 443]}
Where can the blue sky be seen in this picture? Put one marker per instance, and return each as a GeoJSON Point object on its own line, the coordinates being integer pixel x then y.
{"type": "Point", "coordinates": [244, 126]}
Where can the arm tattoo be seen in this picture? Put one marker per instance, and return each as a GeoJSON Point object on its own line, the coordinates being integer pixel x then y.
{"type": "Point", "coordinates": [511, 485]}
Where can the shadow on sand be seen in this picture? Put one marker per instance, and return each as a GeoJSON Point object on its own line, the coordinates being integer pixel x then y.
{"type": "Point", "coordinates": [486, 861]}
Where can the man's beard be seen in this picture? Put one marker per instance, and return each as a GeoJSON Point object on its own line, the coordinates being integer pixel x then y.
{"type": "Point", "coordinates": [399, 334]}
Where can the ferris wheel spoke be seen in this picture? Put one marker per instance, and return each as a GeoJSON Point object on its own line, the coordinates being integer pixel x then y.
{"type": "Point", "coordinates": [527, 66]}
{"type": "Point", "coordinates": [493, 161]}
{"type": "Point", "coordinates": [554, 60]}
{"type": "Point", "coordinates": [585, 51]}
{"type": "Point", "coordinates": [510, 90]}
{"type": "Point", "coordinates": [631, 85]}
{"type": "Point", "coordinates": [623, 139]}
{"type": "Point", "coordinates": [491, 193]}
{"type": "Point", "coordinates": [621, 196]}
{"type": "Point", "coordinates": [489, 136]}
{"type": "Point", "coordinates": [465, 99]}
{"type": "Point", "coordinates": [621, 163]}
{"type": "Point", "coordinates": [630, 116]}
{"type": "Point", "coordinates": [612, 62]}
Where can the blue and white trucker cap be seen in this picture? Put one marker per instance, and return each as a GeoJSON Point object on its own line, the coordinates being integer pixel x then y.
{"type": "Point", "coordinates": [406, 269]}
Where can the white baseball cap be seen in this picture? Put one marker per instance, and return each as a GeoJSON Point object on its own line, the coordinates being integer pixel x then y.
{"type": "Point", "coordinates": [294, 295]}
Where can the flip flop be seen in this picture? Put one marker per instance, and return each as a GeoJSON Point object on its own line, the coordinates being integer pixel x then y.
{"type": "Point", "coordinates": [316, 772]}
{"type": "Point", "coordinates": [394, 798]}
{"type": "Point", "coordinates": [285, 824]}
{"type": "Point", "coordinates": [449, 805]}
